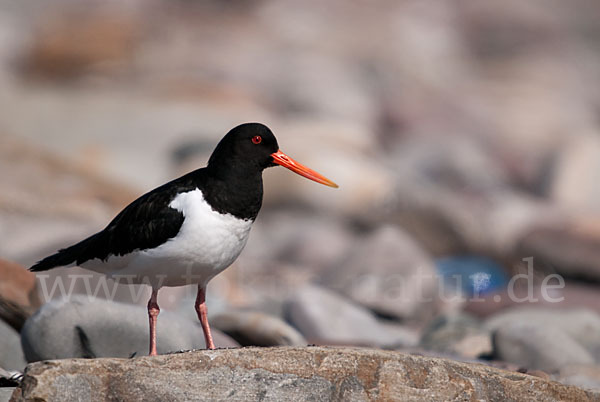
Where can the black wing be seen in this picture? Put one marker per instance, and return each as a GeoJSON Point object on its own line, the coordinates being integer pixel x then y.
{"type": "Point", "coordinates": [146, 223]}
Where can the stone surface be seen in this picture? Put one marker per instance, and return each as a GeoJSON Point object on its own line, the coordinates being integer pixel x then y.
{"type": "Point", "coordinates": [536, 347]}
{"type": "Point", "coordinates": [584, 376]}
{"type": "Point", "coordinates": [316, 241]}
{"type": "Point", "coordinates": [80, 327]}
{"type": "Point", "coordinates": [582, 326]}
{"type": "Point", "coordinates": [571, 249]}
{"type": "Point", "coordinates": [573, 296]}
{"type": "Point", "coordinates": [389, 273]}
{"type": "Point", "coordinates": [450, 194]}
{"type": "Point", "coordinates": [572, 186]}
{"type": "Point", "coordinates": [327, 318]}
{"type": "Point", "coordinates": [276, 374]}
{"type": "Point", "coordinates": [11, 354]}
{"type": "Point", "coordinates": [5, 393]}
{"type": "Point", "coordinates": [250, 328]}
{"type": "Point", "coordinates": [18, 294]}
{"type": "Point", "coordinates": [457, 334]}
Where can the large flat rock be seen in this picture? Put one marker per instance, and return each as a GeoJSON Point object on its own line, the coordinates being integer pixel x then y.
{"type": "Point", "coordinates": [286, 373]}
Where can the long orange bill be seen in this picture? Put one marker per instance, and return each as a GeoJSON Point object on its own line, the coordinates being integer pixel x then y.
{"type": "Point", "coordinates": [282, 159]}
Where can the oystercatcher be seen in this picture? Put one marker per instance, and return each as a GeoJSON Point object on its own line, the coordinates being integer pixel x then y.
{"type": "Point", "coordinates": [190, 229]}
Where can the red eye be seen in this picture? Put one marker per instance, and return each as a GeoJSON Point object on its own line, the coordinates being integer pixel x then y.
{"type": "Point", "coordinates": [257, 139]}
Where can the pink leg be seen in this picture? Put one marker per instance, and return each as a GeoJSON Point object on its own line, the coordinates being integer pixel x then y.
{"type": "Point", "coordinates": [153, 311]}
{"type": "Point", "coordinates": [201, 310]}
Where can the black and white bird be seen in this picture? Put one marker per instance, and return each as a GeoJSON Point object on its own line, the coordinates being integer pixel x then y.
{"type": "Point", "coordinates": [189, 229]}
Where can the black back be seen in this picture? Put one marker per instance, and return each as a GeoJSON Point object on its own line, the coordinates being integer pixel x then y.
{"type": "Point", "coordinates": [231, 184]}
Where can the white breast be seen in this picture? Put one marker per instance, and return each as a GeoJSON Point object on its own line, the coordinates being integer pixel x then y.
{"type": "Point", "coordinates": [207, 243]}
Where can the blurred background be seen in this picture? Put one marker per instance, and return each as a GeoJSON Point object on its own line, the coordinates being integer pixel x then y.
{"type": "Point", "coordinates": [465, 137]}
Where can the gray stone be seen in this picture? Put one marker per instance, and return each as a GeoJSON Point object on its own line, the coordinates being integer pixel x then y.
{"type": "Point", "coordinates": [251, 328]}
{"type": "Point", "coordinates": [389, 273]}
{"type": "Point", "coordinates": [5, 393]}
{"type": "Point", "coordinates": [325, 317]}
{"type": "Point", "coordinates": [538, 347]}
{"type": "Point", "coordinates": [584, 376]}
{"type": "Point", "coordinates": [573, 186]}
{"type": "Point", "coordinates": [457, 334]}
{"type": "Point", "coordinates": [450, 190]}
{"type": "Point", "coordinates": [581, 325]}
{"type": "Point", "coordinates": [81, 327]}
{"type": "Point", "coordinates": [11, 354]}
{"type": "Point", "coordinates": [304, 238]}
{"type": "Point", "coordinates": [277, 374]}
{"type": "Point", "coordinates": [572, 248]}
{"type": "Point", "coordinates": [301, 237]}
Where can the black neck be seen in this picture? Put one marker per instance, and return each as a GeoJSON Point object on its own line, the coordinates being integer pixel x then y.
{"type": "Point", "coordinates": [234, 189]}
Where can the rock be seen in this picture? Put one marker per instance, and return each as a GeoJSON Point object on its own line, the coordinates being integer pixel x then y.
{"type": "Point", "coordinates": [584, 376]}
{"type": "Point", "coordinates": [251, 328]}
{"type": "Point", "coordinates": [11, 353]}
{"type": "Point", "coordinates": [300, 237]}
{"type": "Point", "coordinates": [18, 294]}
{"type": "Point", "coordinates": [582, 326]}
{"type": "Point", "coordinates": [103, 40]}
{"type": "Point", "coordinates": [574, 295]}
{"type": "Point", "coordinates": [88, 328]}
{"type": "Point", "coordinates": [573, 185]}
{"type": "Point", "coordinates": [317, 242]}
{"type": "Point", "coordinates": [457, 334]}
{"type": "Point", "coordinates": [570, 249]}
{"type": "Point", "coordinates": [430, 183]}
{"type": "Point", "coordinates": [450, 191]}
{"type": "Point", "coordinates": [389, 273]}
{"type": "Point", "coordinates": [538, 347]}
{"type": "Point", "coordinates": [325, 317]}
{"type": "Point", "coordinates": [276, 374]}
{"type": "Point", "coordinates": [5, 393]}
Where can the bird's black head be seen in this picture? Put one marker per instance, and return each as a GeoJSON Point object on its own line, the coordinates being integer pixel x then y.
{"type": "Point", "coordinates": [248, 146]}
{"type": "Point", "coordinates": [232, 181]}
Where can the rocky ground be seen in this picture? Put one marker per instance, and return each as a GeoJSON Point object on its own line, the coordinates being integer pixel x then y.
{"type": "Point", "coordinates": [286, 374]}
{"type": "Point", "coordinates": [464, 138]}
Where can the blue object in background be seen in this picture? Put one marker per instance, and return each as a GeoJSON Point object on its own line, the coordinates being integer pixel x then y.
{"type": "Point", "coordinates": [474, 275]}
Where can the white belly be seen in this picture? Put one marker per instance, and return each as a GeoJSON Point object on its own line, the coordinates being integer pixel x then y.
{"type": "Point", "coordinates": [207, 243]}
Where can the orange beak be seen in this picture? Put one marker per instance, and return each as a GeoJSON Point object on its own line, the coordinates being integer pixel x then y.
{"type": "Point", "coordinates": [282, 159]}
